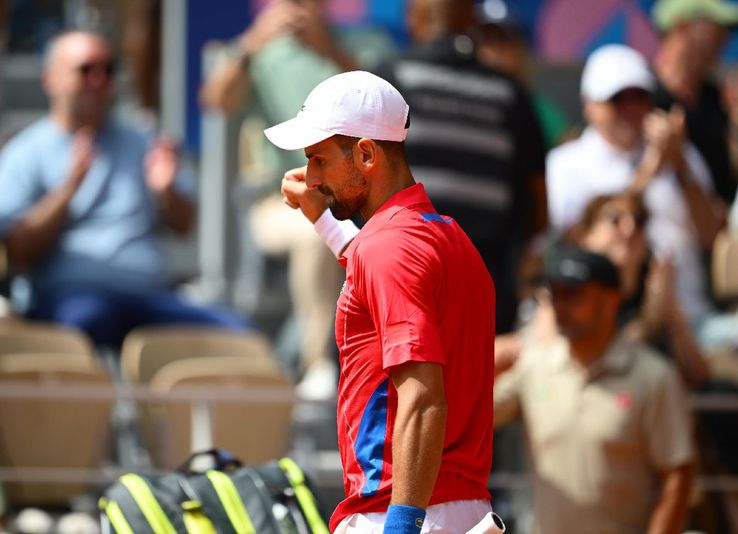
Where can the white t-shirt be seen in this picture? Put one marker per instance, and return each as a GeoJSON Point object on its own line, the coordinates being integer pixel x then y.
{"type": "Point", "coordinates": [589, 166]}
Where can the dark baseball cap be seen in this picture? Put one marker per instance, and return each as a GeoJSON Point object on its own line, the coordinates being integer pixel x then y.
{"type": "Point", "coordinates": [573, 265]}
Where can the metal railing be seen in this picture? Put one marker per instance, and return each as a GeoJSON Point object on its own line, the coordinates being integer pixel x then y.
{"type": "Point", "coordinates": [326, 464]}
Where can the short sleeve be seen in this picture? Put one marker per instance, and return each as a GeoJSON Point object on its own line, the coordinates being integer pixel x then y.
{"type": "Point", "coordinates": [398, 277]}
{"type": "Point", "coordinates": [668, 423]}
{"type": "Point", "coordinates": [19, 186]}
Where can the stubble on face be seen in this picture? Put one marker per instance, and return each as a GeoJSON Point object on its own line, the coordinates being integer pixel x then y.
{"type": "Point", "coordinates": [351, 197]}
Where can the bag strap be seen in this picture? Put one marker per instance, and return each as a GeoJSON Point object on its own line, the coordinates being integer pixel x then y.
{"type": "Point", "coordinates": [305, 497]}
{"type": "Point", "coordinates": [115, 516]}
{"type": "Point", "coordinates": [231, 501]}
{"type": "Point", "coordinates": [148, 504]}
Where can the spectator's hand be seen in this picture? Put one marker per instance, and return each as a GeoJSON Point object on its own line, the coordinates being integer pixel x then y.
{"type": "Point", "coordinates": [83, 154]}
{"type": "Point", "coordinates": [311, 28]}
{"type": "Point", "coordinates": [277, 18]}
{"type": "Point", "coordinates": [297, 195]}
{"type": "Point", "coordinates": [507, 351]}
{"type": "Point", "coordinates": [161, 165]}
{"type": "Point", "coordinates": [665, 133]}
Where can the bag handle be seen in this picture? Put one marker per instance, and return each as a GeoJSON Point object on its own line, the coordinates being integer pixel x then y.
{"type": "Point", "coordinates": [222, 460]}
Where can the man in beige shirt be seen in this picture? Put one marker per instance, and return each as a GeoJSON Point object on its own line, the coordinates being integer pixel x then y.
{"type": "Point", "coordinates": [607, 419]}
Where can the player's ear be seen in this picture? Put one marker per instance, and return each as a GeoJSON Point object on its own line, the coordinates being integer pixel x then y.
{"type": "Point", "coordinates": [367, 153]}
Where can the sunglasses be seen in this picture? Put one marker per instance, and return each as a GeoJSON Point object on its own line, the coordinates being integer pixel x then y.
{"type": "Point", "coordinates": [630, 95]}
{"type": "Point", "coordinates": [106, 67]}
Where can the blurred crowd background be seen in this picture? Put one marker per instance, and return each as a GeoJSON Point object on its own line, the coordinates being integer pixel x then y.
{"type": "Point", "coordinates": [151, 276]}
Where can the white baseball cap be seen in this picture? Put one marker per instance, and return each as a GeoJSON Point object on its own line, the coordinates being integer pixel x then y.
{"type": "Point", "coordinates": [612, 68]}
{"type": "Point", "coordinates": [356, 104]}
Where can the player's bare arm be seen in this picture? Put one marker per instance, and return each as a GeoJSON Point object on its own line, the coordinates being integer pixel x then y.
{"type": "Point", "coordinates": [418, 436]}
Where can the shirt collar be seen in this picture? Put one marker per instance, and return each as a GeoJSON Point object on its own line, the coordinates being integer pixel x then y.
{"type": "Point", "coordinates": [616, 359]}
{"type": "Point", "coordinates": [410, 196]}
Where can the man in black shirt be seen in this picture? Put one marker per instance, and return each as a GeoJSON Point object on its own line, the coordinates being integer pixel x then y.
{"type": "Point", "coordinates": [693, 37]}
{"type": "Point", "coordinates": [475, 142]}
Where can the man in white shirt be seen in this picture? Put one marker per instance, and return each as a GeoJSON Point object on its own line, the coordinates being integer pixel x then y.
{"type": "Point", "coordinates": [629, 145]}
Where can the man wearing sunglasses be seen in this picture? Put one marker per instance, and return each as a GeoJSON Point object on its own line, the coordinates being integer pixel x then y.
{"type": "Point", "coordinates": [628, 145]}
{"type": "Point", "coordinates": [81, 197]}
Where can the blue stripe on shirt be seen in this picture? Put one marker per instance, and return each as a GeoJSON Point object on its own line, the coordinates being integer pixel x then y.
{"type": "Point", "coordinates": [434, 217]}
{"type": "Point", "coordinates": [370, 439]}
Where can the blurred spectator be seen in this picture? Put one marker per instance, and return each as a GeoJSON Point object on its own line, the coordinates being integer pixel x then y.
{"type": "Point", "coordinates": [80, 198]}
{"type": "Point", "coordinates": [475, 142]}
{"type": "Point", "coordinates": [694, 32]}
{"type": "Point", "coordinates": [614, 227]}
{"type": "Point", "coordinates": [273, 65]}
{"type": "Point", "coordinates": [607, 418]}
{"type": "Point", "coordinates": [501, 45]}
{"type": "Point", "coordinates": [628, 145]}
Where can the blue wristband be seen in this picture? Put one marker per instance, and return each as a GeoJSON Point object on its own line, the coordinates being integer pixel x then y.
{"type": "Point", "coordinates": [404, 519]}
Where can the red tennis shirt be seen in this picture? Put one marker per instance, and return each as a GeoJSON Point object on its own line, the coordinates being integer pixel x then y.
{"type": "Point", "coordinates": [416, 290]}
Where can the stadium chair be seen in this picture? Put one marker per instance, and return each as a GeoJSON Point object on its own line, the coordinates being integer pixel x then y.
{"type": "Point", "coordinates": [724, 365]}
{"type": "Point", "coordinates": [19, 336]}
{"type": "Point", "coordinates": [254, 431]}
{"type": "Point", "coordinates": [53, 432]}
{"type": "Point", "coordinates": [146, 350]}
{"type": "Point", "coordinates": [725, 267]}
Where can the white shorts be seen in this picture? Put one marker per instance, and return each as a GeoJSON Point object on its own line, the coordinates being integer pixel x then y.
{"type": "Point", "coordinates": [455, 517]}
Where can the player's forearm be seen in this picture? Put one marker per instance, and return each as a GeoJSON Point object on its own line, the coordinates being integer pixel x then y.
{"type": "Point", "coordinates": [671, 509]}
{"type": "Point", "coordinates": [38, 230]}
{"type": "Point", "coordinates": [417, 447]}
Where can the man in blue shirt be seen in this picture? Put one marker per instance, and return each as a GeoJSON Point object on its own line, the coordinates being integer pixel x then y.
{"type": "Point", "coordinates": [81, 196]}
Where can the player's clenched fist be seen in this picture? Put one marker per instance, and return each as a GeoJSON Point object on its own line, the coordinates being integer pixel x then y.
{"type": "Point", "coordinates": [297, 195]}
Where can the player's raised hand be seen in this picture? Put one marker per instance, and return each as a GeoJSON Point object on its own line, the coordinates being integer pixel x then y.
{"type": "Point", "coordinates": [297, 195]}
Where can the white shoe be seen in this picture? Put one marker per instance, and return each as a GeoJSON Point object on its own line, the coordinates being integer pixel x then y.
{"type": "Point", "coordinates": [319, 382]}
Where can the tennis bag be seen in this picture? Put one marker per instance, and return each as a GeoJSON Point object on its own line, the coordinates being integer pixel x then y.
{"type": "Point", "coordinates": [273, 498]}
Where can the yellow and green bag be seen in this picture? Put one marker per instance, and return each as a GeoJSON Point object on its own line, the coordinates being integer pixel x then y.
{"type": "Point", "coordinates": [273, 498]}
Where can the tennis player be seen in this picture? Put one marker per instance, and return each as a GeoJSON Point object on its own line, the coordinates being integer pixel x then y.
{"type": "Point", "coordinates": [415, 319]}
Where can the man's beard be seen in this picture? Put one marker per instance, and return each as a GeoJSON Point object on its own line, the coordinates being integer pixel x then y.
{"type": "Point", "coordinates": [345, 208]}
